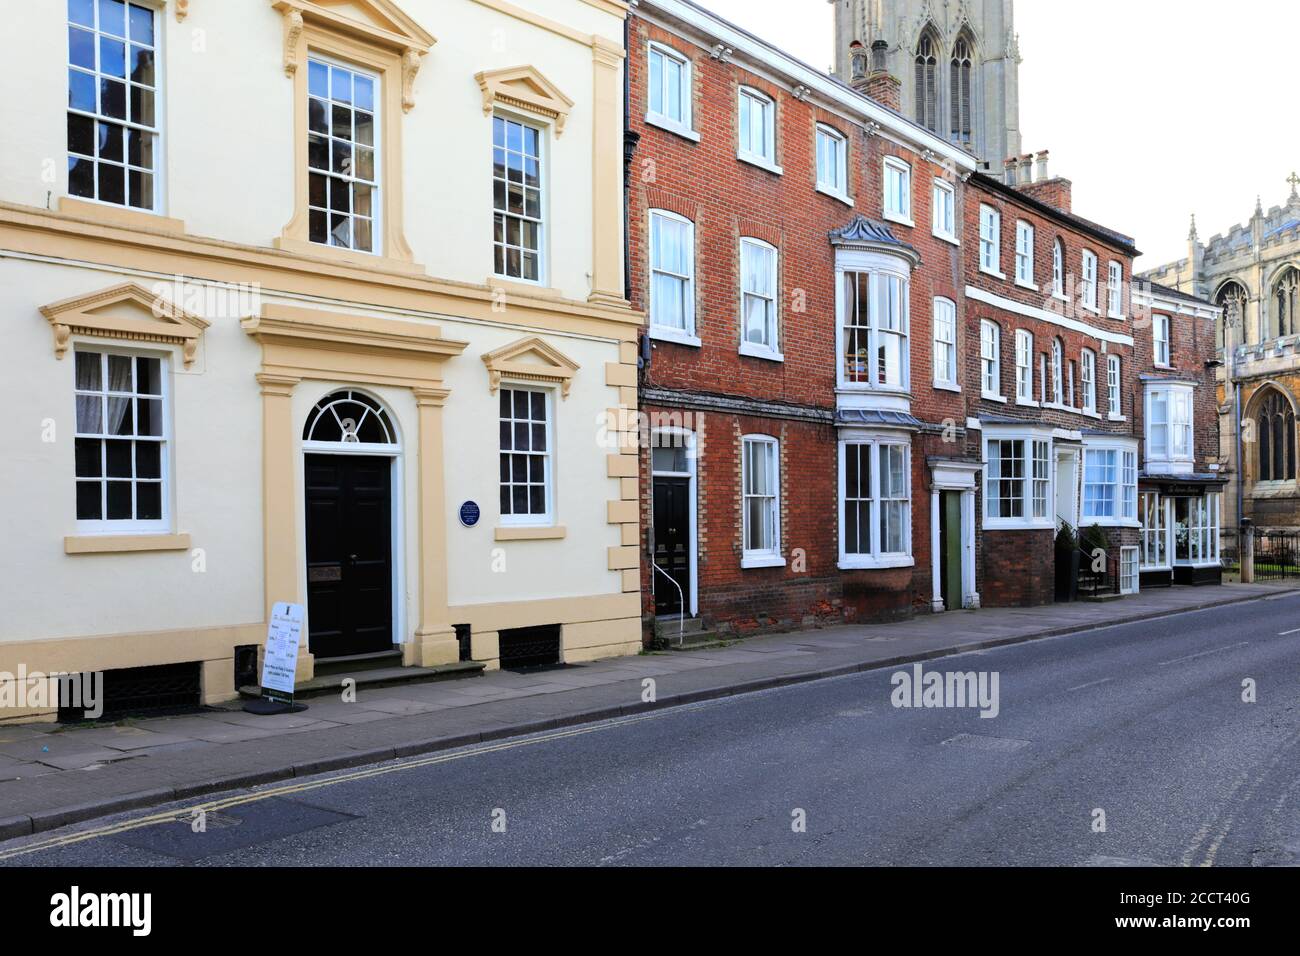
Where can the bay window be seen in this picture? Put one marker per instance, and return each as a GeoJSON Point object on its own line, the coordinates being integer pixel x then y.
{"type": "Point", "coordinates": [1109, 485]}
{"type": "Point", "coordinates": [874, 330]}
{"type": "Point", "coordinates": [1169, 445]}
{"type": "Point", "coordinates": [875, 502]}
{"type": "Point", "coordinates": [1018, 482]}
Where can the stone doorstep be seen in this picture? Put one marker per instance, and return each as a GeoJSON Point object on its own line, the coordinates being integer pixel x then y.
{"type": "Point", "coordinates": [377, 677]}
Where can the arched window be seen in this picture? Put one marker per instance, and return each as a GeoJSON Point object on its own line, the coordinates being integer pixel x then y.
{"type": "Point", "coordinates": [1058, 268]}
{"type": "Point", "coordinates": [350, 418]}
{"type": "Point", "coordinates": [927, 82]}
{"type": "Point", "coordinates": [1285, 300]}
{"type": "Point", "coordinates": [1232, 299]}
{"type": "Point", "coordinates": [1276, 439]}
{"type": "Point", "coordinates": [959, 81]}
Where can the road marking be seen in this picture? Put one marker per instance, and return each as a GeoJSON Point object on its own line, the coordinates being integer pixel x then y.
{"type": "Point", "coordinates": [1287, 633]}
{"type": "Point", "coordinates": [1217, 650]}
{"type": "Point", "coordinates": [186, 813]}
{"type": "Point", "coordinates": [1093, 684]}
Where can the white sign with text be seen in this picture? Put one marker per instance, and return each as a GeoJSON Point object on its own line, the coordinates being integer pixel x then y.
{"type": "Point", "coordinates": [282, 636]}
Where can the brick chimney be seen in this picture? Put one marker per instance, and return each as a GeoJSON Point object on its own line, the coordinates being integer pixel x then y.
{"type": "Point", "coordinates": [881, 85]}
{"type": "Point", "coordinates": [1055, 191]}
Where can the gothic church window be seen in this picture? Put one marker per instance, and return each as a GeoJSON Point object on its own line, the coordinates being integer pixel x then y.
{"type": "Point", "coordinates": [960, 92]}
{"type": "Point", "coordinates": [1232, 300]}
{"type": "Point", "coordinates": [1286, 296]}
{"type": "Point", "coordinates": [927, 82]}
{"type": "Point", "coordinates": [1276, 431]}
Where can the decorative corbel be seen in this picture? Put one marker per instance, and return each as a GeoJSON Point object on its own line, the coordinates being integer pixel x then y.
{"type": "Point", "coordinates": [292, 40]}
{"type": "Point", "coordinates": [182, 10]}
{"type": "Point", "coordinates": [411, 59]}
{"type": "Point", "coordinates": [62, 339]}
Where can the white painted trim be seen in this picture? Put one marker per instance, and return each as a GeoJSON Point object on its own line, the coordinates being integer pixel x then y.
{"type": "Point", "coordinates": [692, 475]}
{"type": "Point", "coordinates": [1045, 315]}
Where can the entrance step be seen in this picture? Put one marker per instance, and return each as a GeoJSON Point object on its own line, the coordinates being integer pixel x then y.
{"type": "Point", "coordinates": [669, 626]}
{"type": "Point", "coordinates": [332, 683]}
{"type": "Point", "coordinates": [699, 641]}
{"type": "Point", "coordinates": [377, 660]}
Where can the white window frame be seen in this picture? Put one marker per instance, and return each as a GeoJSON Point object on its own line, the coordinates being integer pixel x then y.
{"type": "Point", "coordinates": [1036, 497]}
{"type": "Point", "coordinates": [1058, 374]}
{"type": "Point", "coordinates": [546, 518]}
{"type": "Point", "coordinates": [1161, 347]}
{"type": "Point", "coordinates": [544, 199]}
{"type": "Point", "coordinates": [1203, 530]}
{"type": "Point", "coordinates": [1025, 367]}
{"type": "Point", "coordinates": [378, 184]}
{"type": "Point", "coordinates": [771, 349]}
{"type": "Point", "coordinates": [944, 211]}
{"type": "Point", "coordinates": [1088, 284]}
{"type": "Point", "coordinates": [745, 137]}
{"type": "Point", "coordinates": [990, 360]}
{"type": "Point", "coordinates": [1088, 375]}
{"type": "Point", "coordinates": [1114, 388]}
{"type": "Point", "coordinates": [1129, 570]}
{"type": "Point", "coordinates": [1156, 540]}
{"type": "Point", "coordinates": [831, 142]}
{"type": "Point", "coordinates": [765, 557]}
{"type": "Point", "coordinates": [165, 441]}
{"type": "Point", "coordinates": [1124, 498]}
{"type": "Point", "coordinates": [1115, 290]}
{"type": "Point", "coordinates": [945, 344]}
{"type": "Point", "coordinates": [897, 180]}
{"type": "Point", "coordinates": [1170, 421]}
{"type": "Point", "coordinates": [875, 557]}
{"type": "Point", "coordinates": [1025, 255]}
{"type": "Point", "coordinates": [127, 123]}
{"type": "Point", "coordinates": [879, 268]}
{"type": "Point", "coordinates": [991, 241]}
{"type": "Point", "coordinates": [679, 125]}
{"type": "Point", "coordinates": [1058, 269]}
{"type": "Point", "coordinates": [668, 333]}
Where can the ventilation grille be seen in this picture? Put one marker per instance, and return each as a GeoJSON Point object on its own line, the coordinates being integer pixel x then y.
{"type": "Point", "coordinates": [133, 691]}
{"type": "Point", "coordinates": [530, 647]}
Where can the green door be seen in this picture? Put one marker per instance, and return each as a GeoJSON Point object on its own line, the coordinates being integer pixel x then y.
{"type": "Point", "coordinates": [950, 539]}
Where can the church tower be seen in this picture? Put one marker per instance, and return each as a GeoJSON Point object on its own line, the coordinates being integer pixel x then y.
{"type": "Point", "coordinates": [959, 62]}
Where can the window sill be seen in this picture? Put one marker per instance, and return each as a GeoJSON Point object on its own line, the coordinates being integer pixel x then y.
{"type": "Point", "coordinates": [1096, 415]}
{"type": "Point", "coordinates": [364, 260]}
{"type": "Point", "coordinates": [1117, 418]}
{"type": "Point", "coordinates": [762, 561]}
{"type": "Point", "coordinates": [119, 215]}
{"type": "Point", "coordinates": [951, 240]}
{"type": "Point", "coordinates": [899, 218]}
{"type": "Point", "coordinates": [835, 194]}
{"type": "Point", "coordinates": [1163, 366]}
{"type": "Point", "coordinates": [1118, 316]}
{"type": "Point", "coordinates": [1091, 309]}
{"type": "Point", "coordinates": [1018, 524]}
{"type": "Point", "coordinates": [530, 533]}
{"type": "Point", "coordinates": [1032, 287]}
{"type": "Point", "coordinates": [761, 162]}
{"type": "Point", "coordinates": [675, 337]}
{"type": "Point", "coordinates": [861, 563]}
{"type": "Point", "coordinates": [989, 397]}
{"type": "Point", "coordinates": [948, 387]}
{"type": "Point", "coordinates": [124, 543]}
{"type": "Point", "coordinates": [1086, 521]}
{"type": "Point", "coordinates": [671, 125]}
{"type": "Point", "coordinates": [760, 352]}
{"type": "Point", "coordinates": [993, 272]}
{"type": "Point", "coordinates": [1027, 403]}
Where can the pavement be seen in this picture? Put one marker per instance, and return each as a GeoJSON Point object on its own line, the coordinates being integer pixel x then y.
{"type": "Point", "coordinates": [52, 777]}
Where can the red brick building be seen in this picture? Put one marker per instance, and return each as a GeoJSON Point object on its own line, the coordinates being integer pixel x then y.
{"type": "Point", "coordinates": [785, 244]}
{"type": "Point", "coordinates": [1176, 414]}
{"type": "Point", "coordinates": [1052, 380]}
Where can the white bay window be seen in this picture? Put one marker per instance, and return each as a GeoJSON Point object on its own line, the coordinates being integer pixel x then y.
{"type": "Point", "coordinates": [874, 330]}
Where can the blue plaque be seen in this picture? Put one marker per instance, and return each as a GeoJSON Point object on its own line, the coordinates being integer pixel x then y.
{"type": "Point", "coordinates": [470, 513]}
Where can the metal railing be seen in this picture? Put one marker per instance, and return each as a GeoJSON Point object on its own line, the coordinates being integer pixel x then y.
{"type": "Point", "coordinates": [681, 603]}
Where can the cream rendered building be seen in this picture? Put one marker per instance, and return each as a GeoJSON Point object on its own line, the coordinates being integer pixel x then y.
{"type": "Point", "coordinates": [289, 287]}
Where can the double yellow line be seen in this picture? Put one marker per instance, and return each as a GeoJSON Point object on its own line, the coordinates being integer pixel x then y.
{"type": "Point", "coordinates": [187, 813]}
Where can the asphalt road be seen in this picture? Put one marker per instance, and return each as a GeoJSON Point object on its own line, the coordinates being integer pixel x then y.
{"type": "Point", "coordinates": [1145, 723]}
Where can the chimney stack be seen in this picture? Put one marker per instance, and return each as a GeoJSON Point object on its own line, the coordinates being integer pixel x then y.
{"type": "Point", "coordinates": [1027, 169]}
{"type": "Point", "coordinates": [882, 86]}
{"type": "Point", "coordinates": [1009, 174]}
{"type": "Point", "coordinates": [1042, 166]}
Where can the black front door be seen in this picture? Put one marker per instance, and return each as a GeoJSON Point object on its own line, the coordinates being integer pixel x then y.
{"type": "Point", "coordinates": [672, 551]}
{"type": "Point", "coordinates": [349, 555]}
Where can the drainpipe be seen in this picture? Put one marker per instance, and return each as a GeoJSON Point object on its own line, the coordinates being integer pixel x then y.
{"type": "Point", "coordinates": [1241, 462]}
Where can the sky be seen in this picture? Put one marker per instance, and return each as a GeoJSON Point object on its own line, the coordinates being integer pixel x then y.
{"type": "Point", "coordinates": [1206, 122]}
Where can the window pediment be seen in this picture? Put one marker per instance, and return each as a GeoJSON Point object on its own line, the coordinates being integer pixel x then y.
{"type": "Point", "coordinates": [379, 23]}
{"type": "Point", "coordinates": [530, 360]}
{"type": "Point", "coordinates": [525, 88]}
{"type": "Point", "coordinates": [129, 312]}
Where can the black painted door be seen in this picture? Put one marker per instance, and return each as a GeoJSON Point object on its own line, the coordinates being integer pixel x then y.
{"type": "Point", "coordinates": [672, 552]}
{"type": "Point", "coordinates": [349, 555]}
